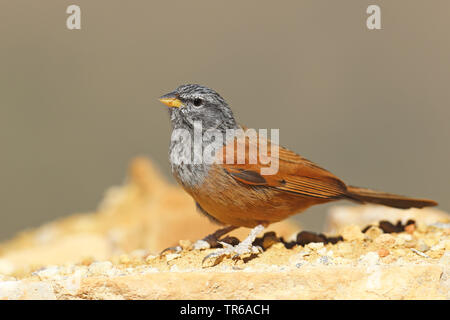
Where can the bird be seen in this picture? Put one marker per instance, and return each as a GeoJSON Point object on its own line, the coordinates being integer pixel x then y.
{"type": "Point", "coordinates": [235, 187]}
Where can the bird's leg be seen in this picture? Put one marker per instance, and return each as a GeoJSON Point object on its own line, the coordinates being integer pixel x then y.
{"type": "Point", "coordinates": [245, 247]}
{"type": "Point", "coordinates": [211, 240]}
{"type": "Point", "coordinates": [207, 242]}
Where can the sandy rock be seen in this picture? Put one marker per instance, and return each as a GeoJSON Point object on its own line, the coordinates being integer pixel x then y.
{"type": "Point", "coordinates": [26, 290]}
{"type": "Point", "coordinates": [385, 240]}
{"type": "Point", "coordinates": [293, 274]}
{"type": "Point", "coordinates": [341, 216]}
{"type": "Point", "coordinates": [317, 271]}
{"type": "Point", "coordinates": [114, 254]}
{"type": "Point", "coordinates": [352, 233]}
{"type": "Point", "coordinates": [146, 213]}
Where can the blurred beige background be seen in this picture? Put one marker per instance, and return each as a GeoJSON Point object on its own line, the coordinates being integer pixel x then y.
{"type": "Point", "coordinates": [75, 106]}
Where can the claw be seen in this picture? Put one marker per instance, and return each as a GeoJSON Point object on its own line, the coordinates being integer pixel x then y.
{"type": "Point", "coordinates": [211, 255]}
{"type": "Point", "coordinates": [226, 245]}
{"type": "Point", "coordinates": [243, 248]}
{"type": "Point", "coordinates": [176, 249]}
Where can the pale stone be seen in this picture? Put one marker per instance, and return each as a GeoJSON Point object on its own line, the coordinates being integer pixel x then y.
{"type": "Point", "coordinates": [306, 282]}
{"type": "Point", "coordinates": [370, 259]}
{"type": "Point", "coordinates": [373, 232]}
{"type": "Point", "coordinates": [352, 233]}
{"type": "Point", "coordinates": [186, 244]}
{"type": "Point", "coordinates": [385, 240]}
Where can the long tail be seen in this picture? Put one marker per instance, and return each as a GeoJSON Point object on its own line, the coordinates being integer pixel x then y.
{"type": "Point", "coordinates": [391, 200]}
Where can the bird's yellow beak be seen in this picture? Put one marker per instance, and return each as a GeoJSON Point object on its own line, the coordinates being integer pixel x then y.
{"type": "Point", "coordinates": [171, 102]}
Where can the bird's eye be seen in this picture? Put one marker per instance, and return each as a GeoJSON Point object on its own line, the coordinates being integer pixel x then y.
{"type": "Point", "coordinates": [198, 102]}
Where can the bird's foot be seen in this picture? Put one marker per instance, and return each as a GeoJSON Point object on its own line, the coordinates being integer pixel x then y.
{"type": "Point", "coordinates": [210, 241]}
{"type": "Point", "coordinates": [238, 251]}
{"type": "Point", "coordinates": [176, 249]}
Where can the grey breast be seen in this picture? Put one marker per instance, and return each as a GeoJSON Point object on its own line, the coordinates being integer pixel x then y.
{"type": "Point", "coordinates": [181, 157]}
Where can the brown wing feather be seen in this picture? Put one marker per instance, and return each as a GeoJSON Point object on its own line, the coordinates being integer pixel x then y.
{"type": "Point", "coordinates": [295, 174]}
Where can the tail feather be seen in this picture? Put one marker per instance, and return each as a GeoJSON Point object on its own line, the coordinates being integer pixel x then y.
{"type": "Point", "coordinates": [391, 200]}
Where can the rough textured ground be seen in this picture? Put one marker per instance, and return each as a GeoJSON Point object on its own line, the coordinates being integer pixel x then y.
{"type": "Point", "coordinates": [146, 213]}
{"type": "Point", "coordinates": [112, 254]}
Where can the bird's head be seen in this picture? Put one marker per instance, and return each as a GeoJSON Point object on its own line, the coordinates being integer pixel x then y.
{"type": "Point", "coordinates": [192, 102]}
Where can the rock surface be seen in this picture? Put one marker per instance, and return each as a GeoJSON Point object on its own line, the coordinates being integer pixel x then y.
{"type": "Point", "coordinates": [146, 213]}
{"type": "Point", "coordinates": [362, 216]}
{"type": "Point", "coordinates": [112, 254]}
{"type": "Point", "coordinates": [349, 269]}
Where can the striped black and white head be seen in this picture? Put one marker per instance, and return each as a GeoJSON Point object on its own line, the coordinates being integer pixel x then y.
{"type": "Point", "coordinates": [191, 103]}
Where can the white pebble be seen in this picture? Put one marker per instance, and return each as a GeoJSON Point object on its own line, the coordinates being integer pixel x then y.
{"type": "Point", "coordinates": [370, 258]}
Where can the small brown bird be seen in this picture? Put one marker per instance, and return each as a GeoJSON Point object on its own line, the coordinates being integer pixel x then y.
{"type": "Point", "coordinates": [238, 193]}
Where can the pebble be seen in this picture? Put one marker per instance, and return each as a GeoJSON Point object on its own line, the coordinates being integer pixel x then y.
{"type": "Point", "coordinates": [383, 252]}
{"type": "Point", "coordinates": [373, 232]}
{"type": "Point", "coordinates": [370, 258]}
{"type": "Point", "coordinates": [186, 244]}
{"type": "Point", "coordinates": [352, 233]}
{"type": "Point", "coordinates": [385, 240]}
{"type": "Point", "coordinates": [410, 228]}
{"type": "Point", "coordinates": [269, 240]}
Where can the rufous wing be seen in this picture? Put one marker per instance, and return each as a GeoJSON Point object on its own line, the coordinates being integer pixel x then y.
{"type": "Point", "coordinates": [295, 174]}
